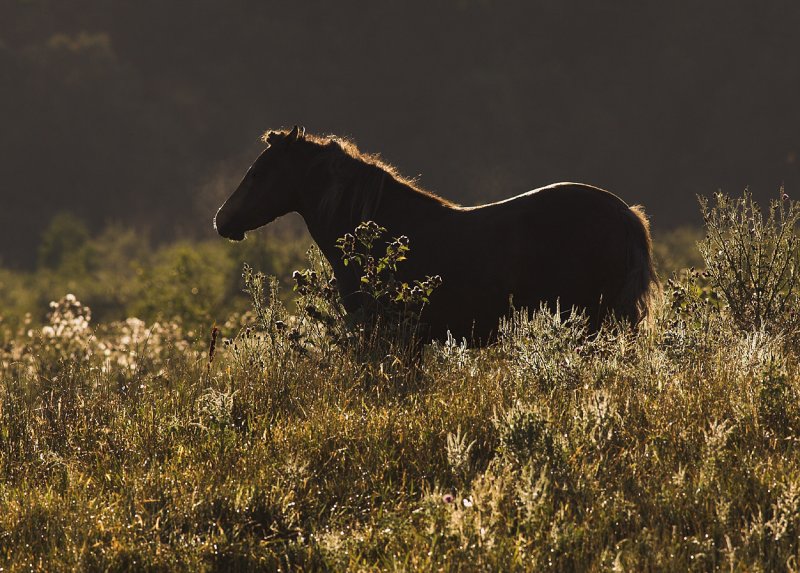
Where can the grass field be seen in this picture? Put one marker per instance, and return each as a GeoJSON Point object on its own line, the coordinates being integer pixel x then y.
{"type": "Point", "coordinates": [128, 445]}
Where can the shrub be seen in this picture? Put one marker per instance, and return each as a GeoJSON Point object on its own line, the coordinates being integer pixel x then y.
{"type": "Point", "coordinates": [385, 327]}
{"type": "Point", "coordinates": [545, 346]}
{"type": "Point", "coordinates": [187, 283]}
{"type": "Point", "coordinates": [752, 260]}
{"type": "Point", "coordinates": [386, 302]}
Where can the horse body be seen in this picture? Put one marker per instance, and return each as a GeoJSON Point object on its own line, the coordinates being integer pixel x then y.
{"type": "Point", "coordinates": [530, 249]}
{"type": "Point", "coordinates": [568, 244]}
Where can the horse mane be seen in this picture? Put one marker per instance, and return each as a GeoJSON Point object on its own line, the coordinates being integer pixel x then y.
{"type": "Point", "coordinates": [345, 156]}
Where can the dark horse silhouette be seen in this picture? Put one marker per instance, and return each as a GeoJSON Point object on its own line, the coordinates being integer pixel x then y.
{"type": "Point", "coordinates": [567, 244]}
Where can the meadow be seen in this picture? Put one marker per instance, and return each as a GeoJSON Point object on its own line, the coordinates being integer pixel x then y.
{"type": "Point", "coordinates": [243, 423]}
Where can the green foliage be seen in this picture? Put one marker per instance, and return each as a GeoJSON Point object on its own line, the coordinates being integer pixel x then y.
{"type": "Point", "coordinates": [185, 281]}
{"type": "Point", "coordinates": [123, 446]}
{"type": "Point", "coordinates": [387, 324]}
{"type": "Point", "coordinates": [383, 292]}
{"type": "Point", "coordinates": [677, 249]}
{"type": "Point", "coordinates": [63, 244]}
{"type": "Point", "coordinates": [119, 274]}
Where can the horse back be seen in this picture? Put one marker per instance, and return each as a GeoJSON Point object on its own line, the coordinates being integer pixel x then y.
{"type": "Point", "coordinates": [566, 245]}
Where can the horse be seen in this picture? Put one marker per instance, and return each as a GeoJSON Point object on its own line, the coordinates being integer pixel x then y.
{"type": "Point", "coordinates": [566, 245]}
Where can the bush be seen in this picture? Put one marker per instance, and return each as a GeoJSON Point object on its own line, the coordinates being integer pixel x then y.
{"type": "Point", "coordinates": [185, 282]}
{"type": "Point", "coordinates": [752, 260]}
{"type": "Point", "coordinates": [387, 324]}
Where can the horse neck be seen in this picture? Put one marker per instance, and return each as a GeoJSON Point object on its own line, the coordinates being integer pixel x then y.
{"type": "Point", "coordinates": [338, 200]}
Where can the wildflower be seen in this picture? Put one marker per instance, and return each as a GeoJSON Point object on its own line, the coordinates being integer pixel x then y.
{"type": "Point", "coordinates": [448, 498]}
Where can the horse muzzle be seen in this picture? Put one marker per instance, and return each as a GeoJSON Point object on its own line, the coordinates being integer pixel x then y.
{"type": "Point", "coordinates": [225, 229]}
{"type": "Point", "coordinates": [234, 236]}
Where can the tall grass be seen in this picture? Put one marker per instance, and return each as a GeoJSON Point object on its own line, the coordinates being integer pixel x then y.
{"type": "Point", "coordinates": [125, 447]}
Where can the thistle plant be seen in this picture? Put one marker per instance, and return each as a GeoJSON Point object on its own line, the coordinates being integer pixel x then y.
{"type": "Point", "coordinates": [263, 291]}
{"type": "Point", "coordinates": [385, 329]}
{"type": "Point", "coordinates": [379, 281]}
{"type": "Point", "coordinates": [319, 306]}
{"type": "Point", "coordinates": [278, 337]}
{"type": "Point", "coordinates": [389, 320]}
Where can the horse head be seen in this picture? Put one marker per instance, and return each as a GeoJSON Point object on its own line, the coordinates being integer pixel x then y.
{"type": "Point", "coordinates": [267, 191]}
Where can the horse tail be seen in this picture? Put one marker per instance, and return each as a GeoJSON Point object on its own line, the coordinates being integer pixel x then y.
{"type": "Point", "coordinates": [641, 290]}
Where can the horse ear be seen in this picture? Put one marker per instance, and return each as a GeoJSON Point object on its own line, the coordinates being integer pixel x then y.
{"type": "Point", "coordinates": [274, 138]}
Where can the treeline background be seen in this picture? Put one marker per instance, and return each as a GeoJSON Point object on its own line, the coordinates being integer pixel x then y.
{"type": "Point", "coordinates": [143, 114]}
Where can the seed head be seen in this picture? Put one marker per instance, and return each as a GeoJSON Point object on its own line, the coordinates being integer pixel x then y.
{"type": "Point", "coordinates": [212, 345]}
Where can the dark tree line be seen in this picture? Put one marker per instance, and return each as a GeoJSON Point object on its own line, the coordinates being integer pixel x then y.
{"type": "Point", "coordinates": [145, 112]}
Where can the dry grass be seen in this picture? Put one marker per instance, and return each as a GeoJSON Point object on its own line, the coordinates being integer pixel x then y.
{"type": "Point", "coordinates": [123, 448]}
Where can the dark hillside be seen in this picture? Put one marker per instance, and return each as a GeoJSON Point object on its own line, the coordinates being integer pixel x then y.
{"type": "Point", "coordinates": [146, 112]}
